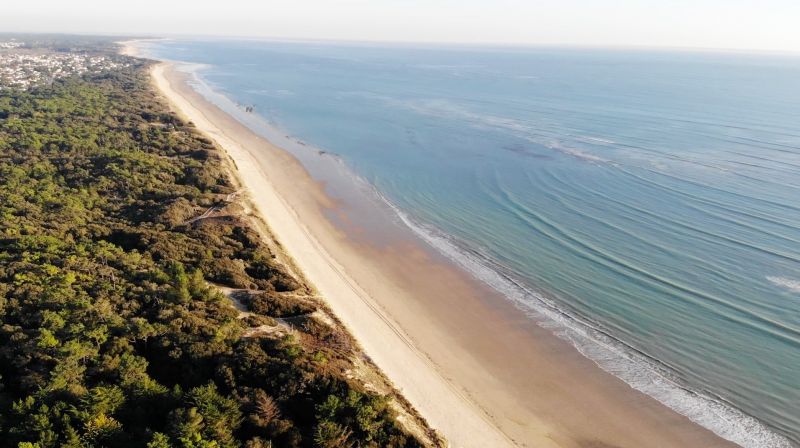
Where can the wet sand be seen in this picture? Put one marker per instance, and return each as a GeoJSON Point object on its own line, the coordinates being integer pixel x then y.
{"type": "Point", "coordinates": [475, 367]}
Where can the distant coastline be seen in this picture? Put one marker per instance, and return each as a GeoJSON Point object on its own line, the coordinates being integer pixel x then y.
{"type": "Point", "coordinates": [550, 404]}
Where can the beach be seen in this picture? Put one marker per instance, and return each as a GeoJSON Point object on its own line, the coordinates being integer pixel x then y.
{"type": "Point", "coordinates": [476, 368]}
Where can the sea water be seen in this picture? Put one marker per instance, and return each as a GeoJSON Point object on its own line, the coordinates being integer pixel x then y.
{"type": "Point", "coordinates": [645, 204]}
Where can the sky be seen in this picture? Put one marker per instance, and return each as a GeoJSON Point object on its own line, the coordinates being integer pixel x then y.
{"type": "Point", "coordinates": [716, 24]}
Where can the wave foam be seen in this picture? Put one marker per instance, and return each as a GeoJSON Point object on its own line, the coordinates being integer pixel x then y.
{"type": "Point", "coordinates": [788, 283]}
{"type": "Point", "coordinates": [636, 369]}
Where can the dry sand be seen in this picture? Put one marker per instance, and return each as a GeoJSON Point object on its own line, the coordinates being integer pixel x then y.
{"type": "Point", "coordinates": [481, 373]}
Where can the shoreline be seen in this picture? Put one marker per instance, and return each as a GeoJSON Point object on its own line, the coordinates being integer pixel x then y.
{"type": "Point", "coordinates": [471, 355]}
{"type": "Point", "coordinates": [296, 240]}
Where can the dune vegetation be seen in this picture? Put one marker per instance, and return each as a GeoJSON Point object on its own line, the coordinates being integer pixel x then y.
{"type": "Point", "coordinates": [114, 330]}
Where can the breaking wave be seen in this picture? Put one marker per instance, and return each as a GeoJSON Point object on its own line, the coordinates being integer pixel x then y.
{"type": "Point", "coordinates": [791, 285]}
{"type": "Point", "coordinates": [639, 371]}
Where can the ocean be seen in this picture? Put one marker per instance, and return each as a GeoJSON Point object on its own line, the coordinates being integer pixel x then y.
{"type": "Point", "coordinates": [643, 203]}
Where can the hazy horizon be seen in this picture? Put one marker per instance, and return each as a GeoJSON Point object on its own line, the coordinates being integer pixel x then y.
{"type": "Point", "coordinates": [705, 24]}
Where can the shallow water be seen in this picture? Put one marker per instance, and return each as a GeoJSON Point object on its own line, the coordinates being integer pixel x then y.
{"type": "Point", "coordinates": [645, 204]}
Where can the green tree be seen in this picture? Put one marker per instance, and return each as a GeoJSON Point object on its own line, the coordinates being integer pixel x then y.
{"type": "Point", "coordinates": [221, 415]}
{"type": "Point", "coordinates": [332, 435]}
{"type": "Point", "coordinates": [180, 283]}
{"type": "Point", "coordinates": [159, 440]}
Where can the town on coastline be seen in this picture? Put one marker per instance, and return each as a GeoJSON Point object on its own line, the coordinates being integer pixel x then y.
{"type": "Point", "coordinates": [24, 65]}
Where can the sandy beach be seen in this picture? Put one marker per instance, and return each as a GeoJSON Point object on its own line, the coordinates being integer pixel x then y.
{"type": "Point", "coordinates": [476, 368]}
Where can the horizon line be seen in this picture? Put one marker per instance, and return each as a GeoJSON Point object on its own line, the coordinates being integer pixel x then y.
{"type": "Point", "coordinates": [474, 44]}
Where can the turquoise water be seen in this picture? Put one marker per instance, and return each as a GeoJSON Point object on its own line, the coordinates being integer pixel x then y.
{"type": "Point", "coordinates": [646, 203]}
